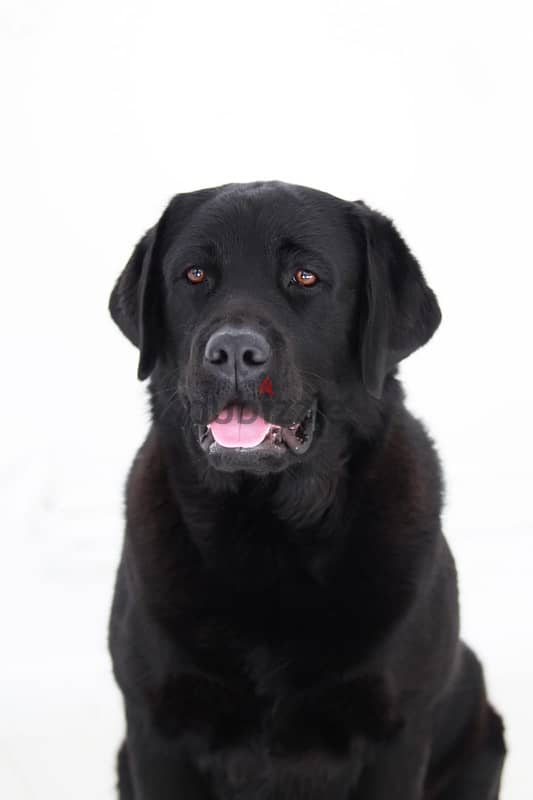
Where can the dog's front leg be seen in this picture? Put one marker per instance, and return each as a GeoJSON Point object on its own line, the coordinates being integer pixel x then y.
{"type": "Point", "coordinates": [399, 767]}
{"type": "Point", "coordinates": [191, 703]}
{"type": "Point", "coordinates": [186, 710]}
{"type": "Point", "coordinates": [153, 768]}
{"type": "Point", "coordinates": [327, 719]}
{"type": "Point", "coordinates": [355, 723]}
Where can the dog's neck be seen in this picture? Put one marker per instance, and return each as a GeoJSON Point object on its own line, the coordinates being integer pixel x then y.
{"type": "Point", "coordinates": [305, 506]}
{"type": "Point", "coordinates": [247, 536]}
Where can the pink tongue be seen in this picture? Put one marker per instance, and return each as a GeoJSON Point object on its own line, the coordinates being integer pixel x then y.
{"type": "Point", "coordinates": [239, 426]}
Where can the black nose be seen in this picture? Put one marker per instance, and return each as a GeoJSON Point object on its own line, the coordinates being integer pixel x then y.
{"type": "Point", "coordinates": [237, 352]}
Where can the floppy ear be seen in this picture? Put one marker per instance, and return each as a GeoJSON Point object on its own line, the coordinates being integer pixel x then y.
{"type": "Point", "coordinates": [134, 302]}
{"type": "Point", "coordinates": [400, 312]}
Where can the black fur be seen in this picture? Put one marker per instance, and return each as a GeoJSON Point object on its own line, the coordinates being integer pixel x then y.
{"type": "Point", "coordinates": [288, 628]}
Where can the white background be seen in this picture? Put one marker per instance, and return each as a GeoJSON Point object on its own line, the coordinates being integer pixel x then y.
{"type": "Point", "coordinates": [108, 108]}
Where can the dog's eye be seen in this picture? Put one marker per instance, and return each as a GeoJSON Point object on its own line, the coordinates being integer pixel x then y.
{"type": "Point", "coordinates": [195, 274]}
{"type": "Point", "coordinates": [304, 277]}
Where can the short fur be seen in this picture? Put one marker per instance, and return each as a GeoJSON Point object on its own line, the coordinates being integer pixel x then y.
{"type": "Point", "coordinates": [289, 630]}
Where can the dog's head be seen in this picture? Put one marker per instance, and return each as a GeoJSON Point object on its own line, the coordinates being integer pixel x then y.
{"type": "Point", "coordinates": [269, 316]}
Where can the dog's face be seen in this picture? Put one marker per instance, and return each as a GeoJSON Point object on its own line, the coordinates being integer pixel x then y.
{"type": "Point", "coordinates": [267, 313]}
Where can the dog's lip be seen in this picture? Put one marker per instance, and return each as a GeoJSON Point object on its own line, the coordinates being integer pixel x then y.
{"type": "Point", "coordinates": [295, 438]}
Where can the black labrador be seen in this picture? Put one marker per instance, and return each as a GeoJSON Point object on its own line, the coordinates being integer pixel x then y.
{"type": "Point", "coordinates": [285, 620]}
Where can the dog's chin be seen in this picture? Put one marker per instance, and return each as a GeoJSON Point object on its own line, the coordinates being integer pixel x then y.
{"type": "Point", "coordinates": [279, 446]}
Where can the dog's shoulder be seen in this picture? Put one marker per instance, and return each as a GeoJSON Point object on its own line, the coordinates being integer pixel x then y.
{"type": "Point", "coordinates": [404, 483]}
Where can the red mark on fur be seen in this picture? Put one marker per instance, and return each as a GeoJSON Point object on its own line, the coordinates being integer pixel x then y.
{"type": "Point", "coordinates": [265, 387]}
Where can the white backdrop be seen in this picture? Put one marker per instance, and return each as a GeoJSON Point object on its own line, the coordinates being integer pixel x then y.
{"type": "Point", "coordinates": [109, 108]}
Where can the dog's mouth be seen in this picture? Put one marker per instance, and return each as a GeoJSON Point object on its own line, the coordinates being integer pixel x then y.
{"type": "Point", "coordinates": [239, 429]}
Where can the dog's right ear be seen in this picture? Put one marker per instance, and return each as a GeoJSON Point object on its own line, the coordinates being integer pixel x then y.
{"type": "Point", "coordinates": [134, 302]}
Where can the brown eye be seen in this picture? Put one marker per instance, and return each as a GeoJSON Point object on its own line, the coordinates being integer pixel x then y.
{"type": "Point", "coordinates": [195, 275]}
{"type": "Point", "coordinates": [304, 277]}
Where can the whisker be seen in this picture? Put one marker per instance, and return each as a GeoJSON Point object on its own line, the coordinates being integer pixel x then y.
{"type": "Point", "coordinates": [316, 375]}
{"type": "Point", "coordinates": [171, 400]}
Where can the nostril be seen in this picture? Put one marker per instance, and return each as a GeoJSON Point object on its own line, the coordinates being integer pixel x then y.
{"type": "Point", "coordinates": [217, 356]}
{"type": "Point", "coordinates": [236, 351]}
{"type": "Point", "coordinates": [254, 357]}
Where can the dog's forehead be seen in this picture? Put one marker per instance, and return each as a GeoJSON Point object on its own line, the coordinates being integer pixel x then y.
{"type": "Point", "coordinates": [262, 216]}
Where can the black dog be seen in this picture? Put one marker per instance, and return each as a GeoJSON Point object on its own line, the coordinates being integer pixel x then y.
{"type": "Point", "coordinates": [285, 619]}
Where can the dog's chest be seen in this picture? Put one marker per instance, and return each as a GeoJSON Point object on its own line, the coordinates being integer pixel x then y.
{"type": "Point", "coordinates": [281, 635]}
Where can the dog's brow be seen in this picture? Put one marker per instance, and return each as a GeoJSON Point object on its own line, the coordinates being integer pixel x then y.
{"type": "Point", "coordinates": [291, 248]}
{"type": "Point", "coordinates": [204, 250]}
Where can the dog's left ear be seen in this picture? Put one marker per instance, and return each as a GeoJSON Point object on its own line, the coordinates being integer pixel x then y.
{"type": "Point", "coordinates": [400, 312]}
